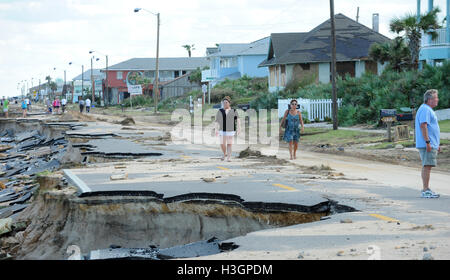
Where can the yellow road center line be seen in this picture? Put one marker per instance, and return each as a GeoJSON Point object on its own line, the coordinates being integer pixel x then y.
{"type": "Point", "coordinates": [384, 218]}
{"type": "Point", "coordinates": [284, 187]}
{"type": "Point", "coordinates": [185, 156]}
{"type": "Point", "coordinates": [223, 168]}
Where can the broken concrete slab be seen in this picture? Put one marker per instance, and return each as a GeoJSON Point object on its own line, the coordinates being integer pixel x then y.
{"type": "Point", "coordinates": [8, 212]}
{"type": "Point", "coordinates": [5, 225]}
{"type": "Point", "coordinates": [22, 199]}
{"type": "Point", "coordinates": [10, 197]}
{"type": "Point", "coordinates": [123, 176]}
{"type": "Point", "coordinates": [25, 136]}
{"type": "Point", "coordinates": [208, 247]}
{"type": "Point", "coordinates": [117, 147]}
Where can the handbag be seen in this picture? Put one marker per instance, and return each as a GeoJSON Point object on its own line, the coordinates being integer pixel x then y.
{"type": "Point", "coordinates": [284, 124]}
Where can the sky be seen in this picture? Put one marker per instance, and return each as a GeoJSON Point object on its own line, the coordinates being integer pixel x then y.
{"type": "Point", "coordinates": [40, 37]}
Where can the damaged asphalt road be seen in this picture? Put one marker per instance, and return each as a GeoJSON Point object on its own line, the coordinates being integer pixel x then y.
{"type": "Point", "coordinates": [25, 154]}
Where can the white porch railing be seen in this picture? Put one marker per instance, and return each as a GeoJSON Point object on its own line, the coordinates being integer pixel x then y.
{"type": "Point", "coordinates": [439, 41]}
{"type": "Point", "coordinates": [316, 108]}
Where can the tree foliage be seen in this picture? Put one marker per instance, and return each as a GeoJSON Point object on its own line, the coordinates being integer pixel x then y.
{"type": "Point", "coordinates": [412, 29]}
{"type": "Point", "coordinates": [396, 53]}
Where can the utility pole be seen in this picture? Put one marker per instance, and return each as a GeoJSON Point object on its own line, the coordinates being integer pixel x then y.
{"type": "Point", "coordinates": [106, 86]}
{"type": "Point", "coordinates": [333, 66]}
{"type": "Point", "coordinates": [357, 14]}
{"type": "Point", "coordinates": [82, 81]}
{"type": "Point", "coordinates": [92, 83]}
{"type": "Point", "coordinates": [156, 89]}
{"type": "Point", "coordinates": [64, 86]}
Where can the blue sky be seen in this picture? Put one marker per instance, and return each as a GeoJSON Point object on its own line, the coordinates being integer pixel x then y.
{"type": "Point", "coordinates": [38, 36]}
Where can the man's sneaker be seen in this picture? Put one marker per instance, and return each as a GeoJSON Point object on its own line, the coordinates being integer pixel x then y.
{"type": "Point", "coordinates": [429, 194]}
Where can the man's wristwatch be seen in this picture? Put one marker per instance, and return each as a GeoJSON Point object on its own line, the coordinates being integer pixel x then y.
{"type": "Point", "coordinates": [428, 141]}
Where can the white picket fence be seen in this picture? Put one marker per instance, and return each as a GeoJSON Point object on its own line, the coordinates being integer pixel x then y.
{"type": "Point", "coordinates": [316, 108]}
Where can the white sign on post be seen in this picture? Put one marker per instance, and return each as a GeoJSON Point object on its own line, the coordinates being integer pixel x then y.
{"type": "Point", "coordinates": [134, 89]}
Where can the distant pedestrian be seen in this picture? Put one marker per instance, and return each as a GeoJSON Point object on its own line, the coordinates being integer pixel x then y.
{"type": "Point", "coordinates": [227, 126]}
{"type": "Point", "coordinates": [63, 104]}
{"type": "Point", "coordinates": [5, 103]}
{"type": "Point", "coordinates": [29, 105]}
{"type": "Point", "coordinates": [81, 104]}
{"type": "Point", "coordinates": [49, 105]}
{"type": "Point", "coordinates": [428, 138]}
{"type": "Point", "coordinates": [24, 106]}
{"type": "Point", "coordinates": [88, 105]}
{"type": "Point", "coordinates": [291, 121]}
{"type": "Point", "coordinates": [56, 105]}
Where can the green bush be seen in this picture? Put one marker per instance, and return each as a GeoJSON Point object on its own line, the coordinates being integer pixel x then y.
{"type": "Point", "coordinates": [139, 100]}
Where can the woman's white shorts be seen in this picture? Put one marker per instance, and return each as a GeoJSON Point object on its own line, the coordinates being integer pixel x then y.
{"type": "Point", "coordinates": [227, 133]}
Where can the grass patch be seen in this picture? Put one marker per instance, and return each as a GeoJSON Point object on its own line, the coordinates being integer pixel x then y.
{"type": "Point", "coordinates": [406, 144]}
{"type": "Point", "coordinates": [321, 136]}
{"type": "Point", "coordinates": [44, 173]}
{"type": "Point", "coordinates": [445, 126]}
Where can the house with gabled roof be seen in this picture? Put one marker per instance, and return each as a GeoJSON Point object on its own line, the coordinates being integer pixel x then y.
{"type": "Point", "coordinates": [307, 55]}
{"type": "Point", "coordinates": [232, 61]}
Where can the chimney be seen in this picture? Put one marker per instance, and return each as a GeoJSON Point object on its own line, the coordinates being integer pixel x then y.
{"type": "Point", "coordinates": [375, 22]}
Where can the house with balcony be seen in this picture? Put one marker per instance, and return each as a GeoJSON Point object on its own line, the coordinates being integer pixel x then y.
{"type": "Point", "coordinates": [232, 61]}
{"type": "Point", "coordinates": [307, 55]}
{"type": "Point", "coordinates": [434, 52]}
{"type": "Point", "coordinates": [120, 75]}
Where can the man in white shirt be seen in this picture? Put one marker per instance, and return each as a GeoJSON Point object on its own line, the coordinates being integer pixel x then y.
{"type": "Point", "coordinates": [88, 105]}
{"type": "Point", "coordinates": [63, 104]}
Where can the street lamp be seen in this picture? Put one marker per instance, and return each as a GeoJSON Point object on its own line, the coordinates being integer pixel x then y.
{"type": "Point", "coordinates": [92, 78]}
{"type": "Point", "coordinates": [106, 86]}
{"type": "Point", "coordinates": [156, 89]}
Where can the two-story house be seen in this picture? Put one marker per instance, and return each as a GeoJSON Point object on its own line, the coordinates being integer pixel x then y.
{"type": "Point", "coordinates": [120, 75]}
{"type": "Point", "coordinates": [232, 61]}
{"type": "Point", "coordinates": [434, 52]}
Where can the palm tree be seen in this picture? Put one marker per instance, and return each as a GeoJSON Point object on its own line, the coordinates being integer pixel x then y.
{"type": "Point", "coordinates": [189, 48]}
{"type": "Point", "coordinates": [49, 79]}
{"type": "Point", "coordinates": [413, 28]}
{"type": "Point", "coordinates": [395, 52]}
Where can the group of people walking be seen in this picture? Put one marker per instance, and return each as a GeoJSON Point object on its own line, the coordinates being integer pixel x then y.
{"type": "Point", "coordinates": [53, 107]}
{"type": "Point", "coordinates": [426, 128]}
{"type": "Point", "coordinates": [84, 103]}
{"type": "Point", "coordinates": [228, 125]}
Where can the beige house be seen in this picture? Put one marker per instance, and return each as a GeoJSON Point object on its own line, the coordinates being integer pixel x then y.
{"type": "Point", "coordinates": [307, 55]}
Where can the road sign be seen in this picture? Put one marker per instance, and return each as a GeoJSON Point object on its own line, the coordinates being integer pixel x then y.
{"type": "Point", "coordinates": [134, 89]}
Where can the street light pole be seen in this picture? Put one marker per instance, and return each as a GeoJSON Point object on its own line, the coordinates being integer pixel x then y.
{"type": "Point", "coordinates": [156, 85]}
{"type": "Point", "coordinates": [106, 78]}
{"type": "Point", "coordinates": [92, 83]}
{"type": "Point", "coordinates": [157, 67]}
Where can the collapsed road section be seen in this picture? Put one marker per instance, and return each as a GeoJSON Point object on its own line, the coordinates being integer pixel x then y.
{"type": "Point", "coordinates": [59, 218]}
{"type": "Point", "coordinates": [137, 216]}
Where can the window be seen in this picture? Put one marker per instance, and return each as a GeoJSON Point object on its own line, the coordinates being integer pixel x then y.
{"type": "Point", "coordinates": [228, 62]}
{"type": "Point", "coordinates": [149, 74]}
{"type": "Point", "coordinates": [305, 66]}
{"type": "Point", "coordinates": [119, 75]}
{"type": "Point", "coordinates": [177, 74]}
